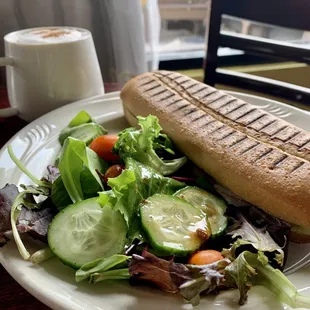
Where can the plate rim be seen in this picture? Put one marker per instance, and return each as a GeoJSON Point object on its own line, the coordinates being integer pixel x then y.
{"type": "Point", "coordinates": [28, 284]}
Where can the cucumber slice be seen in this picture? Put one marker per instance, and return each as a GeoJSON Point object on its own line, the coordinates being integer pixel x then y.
{"type": "Point", "coordinates": [171, 224]}
{"type": "Point", "coordinates": [211, 205]}
{"type": "Point", "coordinates": [85, 231]}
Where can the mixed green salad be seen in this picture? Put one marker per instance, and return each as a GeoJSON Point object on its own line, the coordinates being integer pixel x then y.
{"type": "Point", "coordinates": [131, 207]}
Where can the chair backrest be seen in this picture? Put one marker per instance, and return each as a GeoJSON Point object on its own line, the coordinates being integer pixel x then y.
{"type": "Point", "coordinates": [284, 13]}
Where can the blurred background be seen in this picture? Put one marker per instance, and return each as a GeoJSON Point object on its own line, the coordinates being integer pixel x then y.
{"type": "Point", "coordinates": [135, 36]}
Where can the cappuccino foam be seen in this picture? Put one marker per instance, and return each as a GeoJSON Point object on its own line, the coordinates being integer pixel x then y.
{"type": "Point", "coordinates": [48, 35]}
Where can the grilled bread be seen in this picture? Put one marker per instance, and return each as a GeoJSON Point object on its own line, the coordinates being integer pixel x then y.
{"type": "Point", "coordinates": [259, 157]}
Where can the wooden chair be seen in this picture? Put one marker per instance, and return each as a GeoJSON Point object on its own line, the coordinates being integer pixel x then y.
{"type": "Point", "coordinates": [284, 13]}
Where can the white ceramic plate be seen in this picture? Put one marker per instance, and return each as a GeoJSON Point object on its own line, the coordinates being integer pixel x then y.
{"type": "Point", "coordinates": [53, 283]}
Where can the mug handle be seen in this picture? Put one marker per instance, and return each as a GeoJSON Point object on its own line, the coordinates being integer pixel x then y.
{"type": "Point", "coordinates": [7, 112]}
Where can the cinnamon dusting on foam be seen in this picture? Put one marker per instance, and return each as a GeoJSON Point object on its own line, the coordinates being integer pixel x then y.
{"type": "Point", "coordinates": [50, 33]}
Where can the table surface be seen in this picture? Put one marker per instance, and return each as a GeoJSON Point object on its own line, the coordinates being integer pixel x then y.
{"type": "Point", "coordinates": [12, 295]}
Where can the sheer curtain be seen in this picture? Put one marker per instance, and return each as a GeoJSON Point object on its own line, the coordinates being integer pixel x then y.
{"type": "Point", "coordinates": [117, 27]}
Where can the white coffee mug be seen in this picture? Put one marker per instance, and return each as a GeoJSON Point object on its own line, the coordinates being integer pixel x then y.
{"type": "Point", "coordinates": [49, 67]}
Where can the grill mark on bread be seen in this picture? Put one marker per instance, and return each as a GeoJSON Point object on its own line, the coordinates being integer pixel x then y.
{"type": "Point", "coordinates": [192, 116]}
{"type": "Point", "coordinates": [251, 118]}
{"type": "Point", "coordinates": [211, 124]}
{"type": "Point", "coordinates": [256, 153]}
{"type": "Point", "coordinates": [301, 163]}
{"type": "Point", "coordinates": [292, 138]}
{"type": "Point", "coordinates": [215, 128]}
{"type": "Point", "coordinates": [234, 139]}
{"type": "Point", "coordinates": [192, 87]}
{"type": "Point", "coordinates": [203, 102]}
{"type": "Point", "coordinates": [187, 84]}
{"type": "Point", "coordinates": [199, 117]}
{"type": "Point", "coordinates": [216, 99]}
{"type": "Point", "coordinates": [150, 86]}
{"type": "Point", "coordinates": [164, 72]}
{"type": "Point", "coordinates": [238, 141]}
{"type": "Point", "coordinates": [249, 148]}
{"type": "Point", "coordinates": [247, 112]}
{"type": "Point", "coordinates": [220, 103]}
{"type": "Point", "coordinates": [261, 156]}
{"type": "Point", "coordinates": [222, 131]}
{"type": "Point", "coordinates": [195, 89]}
{"type": "Point", "coordinates": [181, 79]}
{"type": "Point", "coordinates": [281, 160]}
{"type": "Point", "coordinates": [228, 134]}
{"type": "Point", "coordinates": [261, 122]}
{"type": "Point", "coordinates": [205, 96]}
{"type": "Point", "coordinates": [169, 95]}
{"type": "Point", "coordinates": [304, 144]}
{"type": "Point", "coordinates": [271, 159]}
{"type": "Point", "coordinates": [276, 127]}
{"type": "Point", "coordinates": [203, 93]}
{"type": "Point", "coordinates": [287, 134]}
{"type": "Point", "coordinates": [163, 96]}
{"type": "Point", "coordinates": [247, 119]}
{"type": "Point", "coordinates": [230, 108]}
{"type": "Point", "coordinates": [267, 125]}
{"type": "Point", "coordinates": [279, 131]}
{"type": "Point", "coordinates": [172, 74]}
{"type": "Point", "coordinates": [300, 139]}
{"type": "Point", "coordinates": [207, 123]}
{"type": "Point", "coordinates": [148, 81]}
{"type": "Point", "coordinates": [181, 107]}
{"type": "Point", "coordinates": [190, 111]}
{"type": "Point", "coordinates": [174, 102]}
{"type": "Point", "coordinates": [156, 91]}
{"type": "Point", "coordinates": [177, 105]}
{"type": "Point", "coordinates": [305, 148]}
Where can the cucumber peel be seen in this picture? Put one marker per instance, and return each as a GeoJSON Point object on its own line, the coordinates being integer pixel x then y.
{"type": "Point", "coordinates": [211, 205]}
{"type": "Point", "coordinates": [85, 231]}
{"type": "Point", "coordinates": [171, 223]}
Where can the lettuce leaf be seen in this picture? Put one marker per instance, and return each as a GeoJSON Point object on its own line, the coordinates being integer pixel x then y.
{"type": "Point", "coordinates": [90, 188]}
{"type": "Point", "coordinates": [18, 163]}
{"type": "Point", "coordinates": [110, 268]}
{"type": "Point", "coordinates": [253, 238]}
{"type": "Point", "coordinates": [258, 238]}
{"type": "Point", "coordinates": [189, 280]}
{"type": "Point", "coordinates": [74, 158]}
{"type": "Point", "coordinates": [82, 127]}
{"type": "Point", "coordinates": [144, 145]}
{"type": "Point", "coordinates": [26, 215]}
{"type": "Point", "coordinates": [135, 183]}
{"type": "Point", "coordinates": [253, 269]}
{"type": "Point", "coordinates": [59, 194]}
{"type": "Point", "coordinates": [7, 196]}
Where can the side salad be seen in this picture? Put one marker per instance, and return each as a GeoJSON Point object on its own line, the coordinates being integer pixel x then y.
{"type": "Point", "coordinates": [131, 207]}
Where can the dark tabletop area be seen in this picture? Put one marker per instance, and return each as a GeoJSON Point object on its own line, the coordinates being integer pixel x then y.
{"type": "Point", "coordinates": [12, 295]}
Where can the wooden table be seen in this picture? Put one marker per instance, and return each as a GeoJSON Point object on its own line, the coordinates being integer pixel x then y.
{"type": "Point", "coordinates": [12, 295]}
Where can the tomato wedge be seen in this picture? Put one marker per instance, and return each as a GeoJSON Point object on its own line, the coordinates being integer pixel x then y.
{"type": "Point", "coordinates": [103, 146]}
{"type": "Point", "coordinates": [205, 257]}
{"type": "Point", "coordinates": [113, 172]}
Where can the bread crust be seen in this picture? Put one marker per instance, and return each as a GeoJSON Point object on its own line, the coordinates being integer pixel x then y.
{"type": "Point", "coordinates": [259, 157]}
